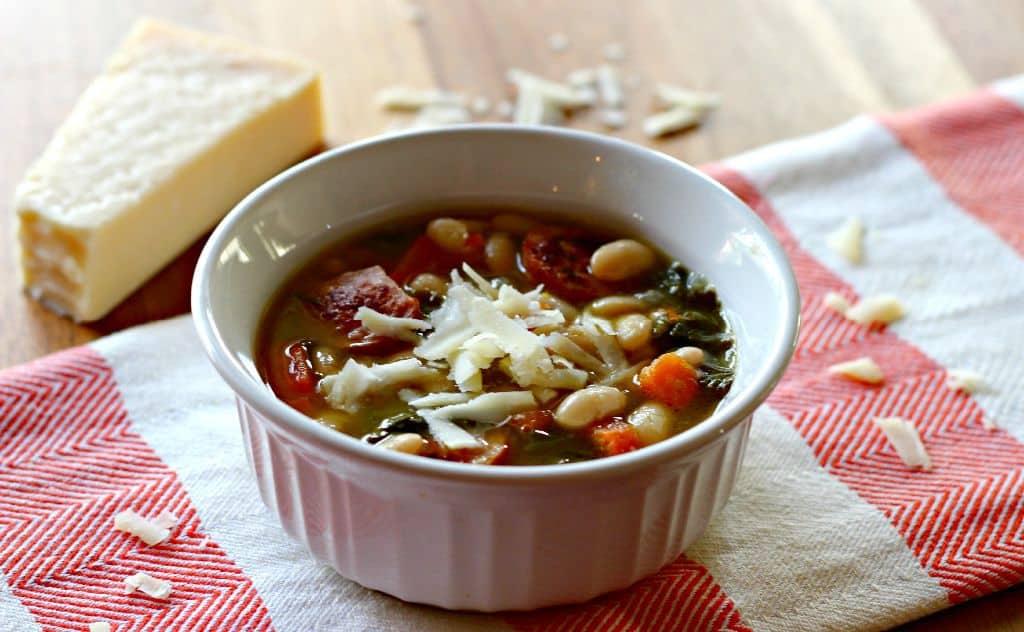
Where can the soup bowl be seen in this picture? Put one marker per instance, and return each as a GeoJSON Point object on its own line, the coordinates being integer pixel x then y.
{"type": "Point", "coordinates": [479, 537]}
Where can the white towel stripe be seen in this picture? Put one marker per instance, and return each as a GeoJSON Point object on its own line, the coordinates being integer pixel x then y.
{"type": "Point", "coordinates": [963, 285]}
{"type": "Point", "coordinates": [14, 616]}
{"type": "Point", "coordinates": [798, 550]}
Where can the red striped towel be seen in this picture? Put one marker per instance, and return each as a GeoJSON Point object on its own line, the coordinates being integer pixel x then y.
{"type": "Point", "coordinates": [826, 529]}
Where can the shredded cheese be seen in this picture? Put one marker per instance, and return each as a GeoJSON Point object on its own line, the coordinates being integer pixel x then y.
{"type": "Point", "coordinates": [468, 362]}
{"type": "Point", "coordinates": [489, 408]}
{"type": "Point", "coordinates": [481, 283]}
{"type": "Point", "coordinates": [836, 302]}
{"type": "Point", "coordinates": [559, 94]}
{"type": "Point", "coordinates": [156, 588]}
{"type": "Point", "coordinates": [391, 326]}
{"type": "Point", "coordinates": [145, 530]}
{"type": "Point", "coordinates": [671, 121]}
{"type": "Point", "coordinates": [882, 309]}
{"type": "Point", "coordinates": [562, 345]}
{"type": "Point", "coordinates": [606, 345]}
{"type": "Point", "coordinates": [609, 87]}
{"type": "Point", "coordinates": [905, 439]}
{"type": "Point", "coordinates": [533, 108]}
{"type": "Point", "coordinates": [346, 388]}
{"type": "Point", "coordinates": [439, 399]}
{"type": "Point", "coordinates": [438, 115]}
{"type": "Point", "coordinates": [406, 99]}
{"type": "Point", "coordinates": [673, 96]}
{"type": "Point", "coordinates": [861, 370]}
{"type": "Point", "coordinates": [846, 240]}
{"type": "Point", "coordinates": [964, 380]}
{"type": "Point", "coordinates": [477, 326]}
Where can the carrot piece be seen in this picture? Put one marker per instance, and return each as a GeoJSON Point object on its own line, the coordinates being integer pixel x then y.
{"type": "Point", "coordinates": [670, 380]}
{"type": "Point", "coordinates": [617, 437]}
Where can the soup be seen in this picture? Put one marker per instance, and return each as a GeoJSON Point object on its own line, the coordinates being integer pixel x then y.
{"type": "Point", "coordinates": [501, 340]}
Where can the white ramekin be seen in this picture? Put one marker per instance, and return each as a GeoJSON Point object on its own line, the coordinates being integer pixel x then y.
{"type": "Point", "coordinates": [477, 537]}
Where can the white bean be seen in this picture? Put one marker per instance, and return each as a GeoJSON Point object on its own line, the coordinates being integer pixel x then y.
{"type": "Point", "coordinates": [429, 283]}
{"type": "Point", "coordinates": [617, 305]}
{"type": "Point", "coordinates": [582, 408]}
{"type": "Point", "coordinates": [407, 442]}
{"type": "Point", "coordinates": [512, 223]}
{"type": "Point", "coordinates": [633, 331]}
{"type": "Point", "coordinates": [653, 422]}
{"type": "Point", "coordinates": [500, 253]}
{"type": "Point", "coordinates": [450, 234]}
{"type": "Point", "coordinates": [694, 356]}
{"type": "Point", "coordinates": [621, 259]}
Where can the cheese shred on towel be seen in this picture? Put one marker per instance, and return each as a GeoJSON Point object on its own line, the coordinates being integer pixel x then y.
{"type": "Point", "coordinates": [156, 588]}
{"type": "Point", "coordinates": [150, 532]}
{"type": "Point", "coordinates": [904, 437]}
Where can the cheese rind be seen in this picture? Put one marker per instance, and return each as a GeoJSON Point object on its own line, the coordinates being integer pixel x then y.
{"type": "Point", "coordinates": [179, 127]}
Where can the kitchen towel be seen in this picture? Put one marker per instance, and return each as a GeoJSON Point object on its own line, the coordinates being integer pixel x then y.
{"type": "Point", "coordinates": [826, 529]}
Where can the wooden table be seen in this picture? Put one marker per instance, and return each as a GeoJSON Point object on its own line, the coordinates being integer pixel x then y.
{"type": "Point", "coordinates": [782, 68]}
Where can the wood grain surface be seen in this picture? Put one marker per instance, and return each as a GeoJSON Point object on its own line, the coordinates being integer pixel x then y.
{"type": "Point", "coordinates": [782, 68]}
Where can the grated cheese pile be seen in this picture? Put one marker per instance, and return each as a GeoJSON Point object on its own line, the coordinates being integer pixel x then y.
{"type": "Point", "coordinates": [905, 439]}
{"type": "Point", "coordinates": [476, 327]}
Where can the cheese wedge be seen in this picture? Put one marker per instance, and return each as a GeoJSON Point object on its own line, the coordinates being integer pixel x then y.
{"type": "Point", "coordinates": [179, 127]}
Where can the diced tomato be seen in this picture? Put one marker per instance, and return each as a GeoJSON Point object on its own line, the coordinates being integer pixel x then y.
{"type": "Point", "coordinates": [560, 259]}
{"type": "Point", "coordinates": [617, 437]}
{"type": "Point", "coordinates": [340, 298]}
{"type": "Point", "coordinates": [425, 256]}
{"type": "Point", "coordinates": [671, 380]}
{"type": "Point", "coordinates": [300, 369]}
{"type": "Point", "coordinates": [531, 420]}
{"type": "Point", "coordinates": [291, 375]}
